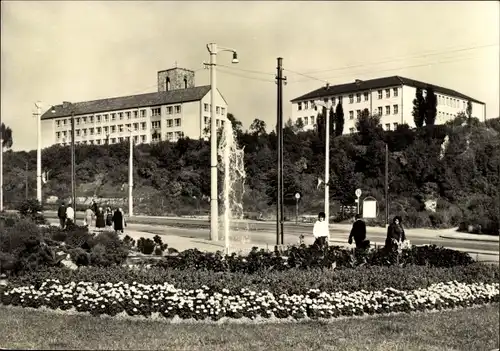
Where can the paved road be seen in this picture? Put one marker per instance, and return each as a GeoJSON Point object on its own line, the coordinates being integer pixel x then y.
{"type": "Point", "coordinates": [263, 233]}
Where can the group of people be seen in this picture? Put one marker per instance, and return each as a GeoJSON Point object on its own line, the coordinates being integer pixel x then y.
{"type": "Point", "coordinates": [103, 218]}
{"type": "Point", "coordinates": [395, 233]}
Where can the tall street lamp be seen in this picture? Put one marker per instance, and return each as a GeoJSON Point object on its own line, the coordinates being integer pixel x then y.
{"type": "Point", "coordinates": [130, 175]}
{"type": "Point", "coordinates": [327, 106]}
{"type": "Point", "coordinates": [214, 208]}
{"type": "Point", "coordinates": [38, 115]}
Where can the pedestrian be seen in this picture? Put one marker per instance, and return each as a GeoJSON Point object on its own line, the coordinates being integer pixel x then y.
{"type": "Point", "coordinates": [89, 216]}
{"type": "Point", "coordinates": [70, 216]}
{"type": "Point", "coordinates": [358, 232]}
{"type": "Point", "coordinates": [100, 221]}
{"type": "Point", "coordinates": [119, 221]}
{"type": "Point", "coordinates": [61, 214]}
{"type": "Point", "coordinates": [395, 234]}
{"type": "Point", "coordinates": [109, 217]}
{"type": "Point", "coordinates": [321, 231]}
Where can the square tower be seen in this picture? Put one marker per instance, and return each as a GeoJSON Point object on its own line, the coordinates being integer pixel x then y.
{"type": "Point", "coordinates": [175, 79]}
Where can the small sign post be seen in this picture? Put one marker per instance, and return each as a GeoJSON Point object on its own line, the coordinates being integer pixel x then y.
{"type": "Point", "coordinates": [297, 197]}
{"type": "Point", "coordinates": [358, 195]}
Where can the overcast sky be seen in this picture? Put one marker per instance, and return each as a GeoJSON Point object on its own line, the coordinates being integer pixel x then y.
{"type": "Point", "coordinates": [77, 51]}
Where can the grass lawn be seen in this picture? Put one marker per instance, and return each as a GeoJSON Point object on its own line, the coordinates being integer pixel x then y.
{"type": "Point", "coordinates": [468, 329]}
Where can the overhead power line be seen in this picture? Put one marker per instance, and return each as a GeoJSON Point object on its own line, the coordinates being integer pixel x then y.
{"type": "Point", "coordinates": [246, 77]}
{"type": "Point", "coordinates": [248, 70]}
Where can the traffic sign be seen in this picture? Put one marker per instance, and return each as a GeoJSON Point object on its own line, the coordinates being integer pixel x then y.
{"type": "Point", "coordinates": [358, 192]}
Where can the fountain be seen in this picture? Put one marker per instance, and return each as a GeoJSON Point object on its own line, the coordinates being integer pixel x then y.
{"type": "Point", "coordinates": [233, 167]}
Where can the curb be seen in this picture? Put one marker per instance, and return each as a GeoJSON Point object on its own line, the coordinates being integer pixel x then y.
{"type": "Point", "coordinates": [451, 236]}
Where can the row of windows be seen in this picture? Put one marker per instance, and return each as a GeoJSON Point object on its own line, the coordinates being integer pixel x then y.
{"type": "Point", "coordinates": [136, 139]}
{"type": "Point", "coordinates": [380, 110]}
{"type": "Point", "coordinates": [170, 123]}
{"type": "Point", "coordinates": [452, 102]}
{"type": "Point", "coordinates": [387, 126]}
{"type": "Point", "coordinates": [104, 118]}
{"type": "Point", "coordinates": [218, 122]}
{"type": "Point", "coordinates": [170, 136]}
{"type": "Point", "coordinates": [218, 110]}
{"type": "Point", "coordinates": [359, 97]}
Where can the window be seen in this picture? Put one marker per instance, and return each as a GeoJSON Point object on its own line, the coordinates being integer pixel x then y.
{"type": "Point", "coordinates": [98, 119]}
{"type": "Point", "coordinates": [205, 107]}
{"type": "Point", "coordinates": [84, 119]}
{"type": "Point", "coordinates": [306, 120]}
{"type": "Point", "coordinates": [120, 139]}
{"type": "Point", "coordinates": [169, 123]}
{"type": "Point", "coordinates": [169, 110]}
{"type": "Point", "coordinates": [395, 92]}
{"type": "Point", "coordinates": [91, 119]}
{"type": "Point", "coordinates": [217, 123]}
{"type": "Point", "coordinates": [143, 138]}
{"type": "Point", "coordinates": [143, 125]}
{"type": "Point", "coordinates": [128, 125]}
{"type": "Point", "coordinates": [366, 96]}
{"type": "Point", "coordinates": [136, 114]}
{"type": "Point", "coordinates": [58, 135]}
{"type": "Point", "coordinates": [113, 116]}
{"type": "Point", "coordinates": [217, 110]}
{"type": "Point", "coordinates": [312, 119]}
{"type": "Point", "coordinates": [91, 131]}
{"type": "Point", "coordinates": [98, 130]}
{"type": "Point", "coordinates": [358, 113]}
{"type": "Point", "coordinates": [78, 121]}
{"type": "Point", "coordinates": [91, 142]}
{"type": "Point", "coordinates": [387, 93]}
{"type": "Point", "coordinates": [143, 113]}
{"type": "Point", "coordinates": [351, 130]}
{"type": "Point", "coordinates": [113, 129]}
{"type": "Point", "coordinates": [223, 111]}
{"type": "Point", "coordinates": [156, 111]}
{"type": "Point", "coordinates": [120, 115]}
{"type": "Point", "coordinates": [136, 126]}
{"type": "Point", "coordinates": [106, 130]}
{"type": "Point", "coordinates": [395, 126]}
{"type": "Point", "coordinates": [178, 135]}
{"type": "Point", "coordinates": [98, 142]}
{"type": "Point", "coordinates": [380, 94]}
{"type": "Point", "coordinates": [333, 100]}
{"type": "Point", "coordinates": [113, 140]}
{"type": "Point", "coordinates": [358, 97]}
{"type": "Point", "coordinates": [388, 110]}
{"type": "Point", "coordinates": [84, 131]}
{"type": "Point", "coordinates": [299, 106]}
{"type": "Point", "coordinates": [351, 114]}
{"type": "Point", "coordinates": [306, 105]}
{"type": "Point", "coordinates": [64, 122]}
{"type": "Point", "coordinates": [206, 119]}
{"type": "Point", "coordinates": [136, 139]}
{"type": "Point", "coordinates": [379, 109]}
{"type": "Point", "coordinates": [387, 126]}
{"type": "Point", "coordinates": [106, 118]}
{"type": "Point", "coordinates": [58, 123]}
{"type": "Point", "coordinates": [170, 136]}
{"type": "Point", "coordinates": [351, 98]}
{"type": "Point", "coordinates": [395, 109]}
{"type": "Point", "coordinates": [178, 109]}
{"type": "Point", "coordinates": [127, 114]}
{"type": "Point", "coordinates": [120, 128]}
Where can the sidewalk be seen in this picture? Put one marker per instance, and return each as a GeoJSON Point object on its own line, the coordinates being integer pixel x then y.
{"type": "Point", "coordinates": [471, 237]}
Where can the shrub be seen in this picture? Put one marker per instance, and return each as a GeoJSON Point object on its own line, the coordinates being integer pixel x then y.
{"type": "Point", "coordinates": [32, 209]}
{"type": "Point", "coordinates": [115, 250]}
{"type": "Point", "coordinates": [146, 246]}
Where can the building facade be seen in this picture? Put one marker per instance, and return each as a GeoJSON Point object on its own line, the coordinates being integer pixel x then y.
{"type": "Point", "coordinates": [388, 97]}
{"type": "Point", "coordinates": [178, 109]}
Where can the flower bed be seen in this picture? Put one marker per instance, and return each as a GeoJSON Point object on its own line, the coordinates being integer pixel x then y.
{"type": "Point", "coordinates": [202, 303]}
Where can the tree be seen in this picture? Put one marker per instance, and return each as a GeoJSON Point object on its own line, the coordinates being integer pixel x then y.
{"type": "Point", "coordinates": [321, 124]}
{"type": "Point", "coordinates": [258, 127]}
{"type": "Point", "coordinates": [332, 121]}
{"type": "Point", "coordinates": [339, 120]}
{"type": "Point", "coordinates": [6, 135]}
{"type": "Point", "coordinates": [237, 125]}
{"type": "Point", "coordinates": [469, 109]}
{"type": "Point", "coordinates": [299, 123]}
{"type": "Point", "coordinates": [430, 107]}
{"type": "Point", "coordinates": [419, 107]}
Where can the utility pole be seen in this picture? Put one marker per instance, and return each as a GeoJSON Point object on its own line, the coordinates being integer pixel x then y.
{"type": "Point", "coordinates": [279, 134]}
{"type": "Point", "coordinates": [386, 185]}
{"type": "Point", "coordinates": [130, 175]}
{"type": "Point", "coordinates": [73, 178]}
{"type": "Point", "coordinates": [39, 153]}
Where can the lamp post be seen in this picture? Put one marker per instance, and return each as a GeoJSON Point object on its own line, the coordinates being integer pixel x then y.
{"type": "Point", "coordinates": [130, 175]}
{"type": "Point", "coordinates": [213, 49]}
{"type": "Point", "coordinates": [38, 115]}
{"type": "Point", "coordinates": [327, 107]}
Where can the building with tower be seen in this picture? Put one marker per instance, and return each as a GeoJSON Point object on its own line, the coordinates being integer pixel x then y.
{"type": "Point", "coordinates": [179, 108]}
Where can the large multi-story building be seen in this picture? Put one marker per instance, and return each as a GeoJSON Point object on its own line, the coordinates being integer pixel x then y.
{"type": "Point", "coordinates": [178, 109]}
{"type": "Point", "coordinates": [389, 97]}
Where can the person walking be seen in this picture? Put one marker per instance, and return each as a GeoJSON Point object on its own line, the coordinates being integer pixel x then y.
{"type": "Point", "coordinates": [395, 234]}
{"type": "Point", "coordinates": [109, 217]}
{"type": "Point", "coordinates": [321, 231]}
{"type": "Point", "coordinates": [61, 214]}
{"type": "Point", "coordinates": [119, 221]}
{"type": "Point", "coordinates": [358, 232]}
{"type": "Point", "coordinates": [70, 216]}
{"type": "Point", "coordinates": [89, 216]}
{"type": "Point", "coordinates": [100, 221]}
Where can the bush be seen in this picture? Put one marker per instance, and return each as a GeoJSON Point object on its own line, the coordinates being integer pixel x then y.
{"type": "Point", "coordinates": [32, 209]}
{"type": "Point", "coordinates": [108, 249]}
{"type": "Point", "coordinates": [146, 246]}
{"type": "Point", "coordinates": [292, 281]}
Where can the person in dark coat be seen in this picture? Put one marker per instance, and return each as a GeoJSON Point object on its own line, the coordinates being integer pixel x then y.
{"type": "Point", "coordinates": [395, 234]}
{"type": "Point", "coordinates": [100, 221]}
{"type": "Point", "coordinates": [358, 232]}
{"type": "Point", "coordinates": [61, 214]}
{"type": "Point", "coordinates": [109, 217]}
{"type": "Point", "coordinates": [119, 220]}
